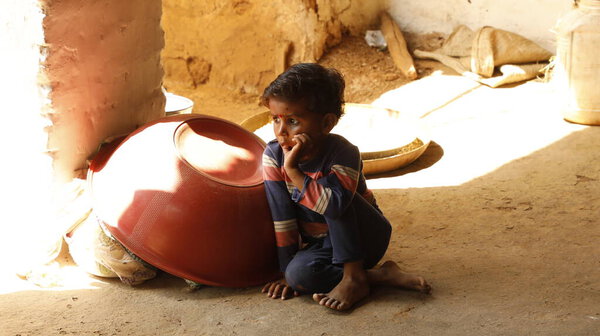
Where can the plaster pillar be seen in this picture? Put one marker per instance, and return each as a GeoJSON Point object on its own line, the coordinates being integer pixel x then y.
{"type": "Point", "coordinates": [74, 72]}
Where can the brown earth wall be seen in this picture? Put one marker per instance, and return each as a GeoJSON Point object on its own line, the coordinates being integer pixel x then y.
{"type": "Point", "coordinates": [242, 45]}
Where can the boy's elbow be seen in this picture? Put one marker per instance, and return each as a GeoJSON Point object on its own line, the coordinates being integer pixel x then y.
{"type": "Point", "coordinates": [332, 214]}
{"type": "Point", "coordinates": [335, 212]}
{"type": "Point", "coordinates": [338, 204]}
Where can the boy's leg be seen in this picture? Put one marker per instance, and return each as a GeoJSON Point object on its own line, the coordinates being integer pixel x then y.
{"type": "Point", "coordinates": [361, 233]}
{"type": "Point", "coordinates": [311, 269]}
{"type": "Point", "coordinates": [375, 233]}
{"type": "Point", "coordinates": [359, 239]}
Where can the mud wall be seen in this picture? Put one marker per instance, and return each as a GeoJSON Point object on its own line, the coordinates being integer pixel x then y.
{"type": "Point", "coordinates": [104, 73]}
{"type": "Point", "coordinates": [533, 19]}
{"type": "Point", "coordinates": [242, 45]}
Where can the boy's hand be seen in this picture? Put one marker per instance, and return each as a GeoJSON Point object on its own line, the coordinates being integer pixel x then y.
{"type": "Point", "coordinates": [279, 289]}
{"type": "Point", "coordinates": [293, 154]}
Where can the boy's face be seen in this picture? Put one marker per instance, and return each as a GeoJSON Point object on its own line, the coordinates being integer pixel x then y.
{"type": "Point", "coordinates": [290, 119]}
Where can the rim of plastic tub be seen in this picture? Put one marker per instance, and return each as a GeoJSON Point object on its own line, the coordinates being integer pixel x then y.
{"type": "Point", "coordinates": [223, 142]}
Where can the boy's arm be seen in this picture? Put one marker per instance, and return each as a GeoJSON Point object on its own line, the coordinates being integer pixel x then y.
{"type": "Point", "coordinates": [330, 195]}
{"type": "Point", "coordinates": [291, 160]}
{"type": "Point", "coordinates": [282, 210]}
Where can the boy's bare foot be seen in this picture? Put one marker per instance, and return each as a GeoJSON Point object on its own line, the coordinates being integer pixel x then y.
{"type": "Point", "coordinates": [390, 274]}
{"type": "Point", "coordinates": [354, 288]}
{"type": "Point", "coordinates": [344, 295]}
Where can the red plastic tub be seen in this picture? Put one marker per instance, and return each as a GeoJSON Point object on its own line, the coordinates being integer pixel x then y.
{"type": "Point", "coordinates": [185, 193]}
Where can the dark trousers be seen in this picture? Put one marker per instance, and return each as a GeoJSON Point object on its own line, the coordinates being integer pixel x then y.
{"type": "Point", "coordinates": [361, 233]}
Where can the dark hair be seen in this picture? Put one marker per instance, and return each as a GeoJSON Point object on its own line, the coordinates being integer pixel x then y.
{"type": "Point", "coordinates": [321, 88]}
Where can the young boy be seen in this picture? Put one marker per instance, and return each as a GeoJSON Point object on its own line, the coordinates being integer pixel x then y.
{"type": "Point", "coordinates": [329, 231]}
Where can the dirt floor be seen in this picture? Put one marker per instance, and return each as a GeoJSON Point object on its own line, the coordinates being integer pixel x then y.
{"type": "Point", "coordinates": [500, 215]}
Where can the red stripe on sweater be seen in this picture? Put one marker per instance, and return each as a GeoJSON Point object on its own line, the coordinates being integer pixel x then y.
{"type": "Point", "coordinates": [314, 229]}
{"type": "Point", "coordinates": [311, 195]}
{"type": "Point", "coordinates": [272, 174]}
{"type": "Point", "coordinates": [287, 238]}
{"type": "Point", "coordinates": [347, 182]}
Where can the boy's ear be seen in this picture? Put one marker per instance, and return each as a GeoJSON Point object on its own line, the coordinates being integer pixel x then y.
{"type": "Point", "coordinates": [329, 121]}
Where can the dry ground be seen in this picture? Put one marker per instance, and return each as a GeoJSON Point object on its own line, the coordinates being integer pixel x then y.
{"type": "Point", "coordinates": [501, 215]}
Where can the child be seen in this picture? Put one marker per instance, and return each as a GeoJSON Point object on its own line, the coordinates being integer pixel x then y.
{"type": "Point", "coordinates": [319, 198]}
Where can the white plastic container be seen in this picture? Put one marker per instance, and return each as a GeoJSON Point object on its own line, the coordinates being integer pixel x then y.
{"type": "Point", "coordinates": [177, 104]}
{"type": "Point", "coordinates": [577, 70]}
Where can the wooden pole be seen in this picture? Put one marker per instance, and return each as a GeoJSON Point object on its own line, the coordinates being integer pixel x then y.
{"type": "Point", "coordinates": [397, 46]}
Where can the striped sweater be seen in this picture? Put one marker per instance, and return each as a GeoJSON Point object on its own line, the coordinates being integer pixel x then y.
{"type": "Point", "coordinates": [331, 181]}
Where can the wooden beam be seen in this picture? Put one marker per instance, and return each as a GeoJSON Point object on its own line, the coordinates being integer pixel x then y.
{"type": "Point", "coordinates": [397, 46]}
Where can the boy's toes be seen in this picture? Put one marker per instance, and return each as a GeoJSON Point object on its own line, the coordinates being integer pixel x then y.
{"type": "Point", "coordinates": [329, 302]}
{"type": "Point", "coordinates": [317, 297]}
{"type": "Point", "coordinates": [339, 306]}
{"type": "Point", "coordinates": [425, 287]}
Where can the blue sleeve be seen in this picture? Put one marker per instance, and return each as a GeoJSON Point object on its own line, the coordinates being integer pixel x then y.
{"type": "Point", "coordinates": [282, 209]}
{"type": "Point", "coordinates": [330, 195]}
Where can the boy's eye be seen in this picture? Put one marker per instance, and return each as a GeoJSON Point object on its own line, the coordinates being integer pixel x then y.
{"type": "Point", "coordinates": [293, 122]}
{"type": "Point", "coordinates": [275, 118]}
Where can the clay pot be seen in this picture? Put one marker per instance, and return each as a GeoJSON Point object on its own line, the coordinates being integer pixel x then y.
{"type": "Point", "coordinates": [185, 193]}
